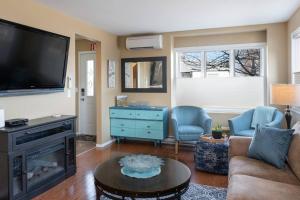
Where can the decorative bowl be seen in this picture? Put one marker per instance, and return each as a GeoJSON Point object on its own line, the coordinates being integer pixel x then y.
{"type": "Point", "coordinates": [140, 163]}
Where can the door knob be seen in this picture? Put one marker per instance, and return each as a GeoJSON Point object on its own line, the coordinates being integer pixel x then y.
{"type": "Point", "coordinates": [82, 99]}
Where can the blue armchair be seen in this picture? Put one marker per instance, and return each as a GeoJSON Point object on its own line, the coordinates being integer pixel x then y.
{"type": "Point", "coordinates": [189, 123]}
{"type": "Point", "coordinates": [241, 125]}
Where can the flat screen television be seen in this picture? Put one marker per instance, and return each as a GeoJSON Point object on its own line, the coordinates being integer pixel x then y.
{"type": "Point", "coordinates": [32, 61]}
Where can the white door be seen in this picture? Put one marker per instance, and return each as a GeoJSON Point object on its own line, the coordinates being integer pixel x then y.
{"type": "Point", "coordinates": [86, 91]}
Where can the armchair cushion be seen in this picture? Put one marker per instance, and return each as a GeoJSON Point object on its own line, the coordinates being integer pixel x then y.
{"type": "Point", "coordinates": [189, 132]}
{"type": "Point", "coordinates": [262, 115]}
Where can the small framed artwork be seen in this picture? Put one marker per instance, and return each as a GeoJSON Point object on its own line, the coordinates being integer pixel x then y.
{"type": "Point", "coordinates": [111, 74]}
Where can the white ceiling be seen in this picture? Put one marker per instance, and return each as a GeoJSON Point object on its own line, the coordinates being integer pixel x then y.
{"type": "Point", "coordinates": [123, 17]}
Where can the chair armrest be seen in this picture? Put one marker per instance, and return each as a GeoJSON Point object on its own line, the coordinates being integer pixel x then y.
{"type": "Point", "coordinates": [241, 122]}
{"type": "Point", "coordinates": [175, 126]}
{"type": "Point", "coordinates": [206, 123]}
{"type": "Point", "coordinates": [238, 146]}
{"type": "Point", "coordinates": [277, 122]}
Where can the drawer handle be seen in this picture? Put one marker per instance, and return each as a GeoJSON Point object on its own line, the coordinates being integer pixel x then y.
{"type": "Point", "coordinates": [112, 113]}
{"type": "Point", "coordinates": [157, 115]}
{"type": "Point", "coordinates": [138, 114]}
{"type": "Point", "coordinates": [122, 130]}
{"type": "Point", "coordinates": [148, 126]}
{"type": "Point", "coordinates": [122, 124]}
{"type": "Point", "coordinates": [130, 113]}
{"type": "Point", "coordinates": [148, 132]}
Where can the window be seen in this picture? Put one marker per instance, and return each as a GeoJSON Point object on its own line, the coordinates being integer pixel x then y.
{"type": "Point", "coordinates": [191, 64]}
{"type": "Point", "coordinates": [295, 60]}
{"type": "Point", "coordinates": [247, 62]}
{"type": "Point", "coordinates": [90, 78]}
{"type": "Point", "coordinates": [231, 61]}
{"type": "Point", "coordinates": [220, 77]}
{"type": "Point", "coordinates": [295, 57]}
{"type": "Point", "coordinates": [217, 63]}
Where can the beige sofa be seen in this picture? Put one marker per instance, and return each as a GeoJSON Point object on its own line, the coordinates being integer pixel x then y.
{"type": "Point", "coordinates": [251, 179]}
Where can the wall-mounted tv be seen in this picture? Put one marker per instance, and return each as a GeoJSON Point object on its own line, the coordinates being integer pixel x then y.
{"type": "Point", "coordinates": [32, 61]}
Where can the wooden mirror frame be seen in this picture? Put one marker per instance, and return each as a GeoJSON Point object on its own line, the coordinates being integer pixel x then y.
{"type": "Point", "coordinates": [145, 90]}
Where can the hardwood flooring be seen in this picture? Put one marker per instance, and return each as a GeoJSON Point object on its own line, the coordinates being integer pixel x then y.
{"type": "Point", "coordinates": [81, 185]}
{"type": "Point", "coordinates": [83, 146]}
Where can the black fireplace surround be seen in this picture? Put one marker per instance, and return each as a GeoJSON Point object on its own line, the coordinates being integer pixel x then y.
{"type": "Point", "coordinates": [36, 156]}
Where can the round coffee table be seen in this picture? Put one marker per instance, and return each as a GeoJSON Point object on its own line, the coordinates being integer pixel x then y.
{"type": "Point", "coordinates": [171, 183]}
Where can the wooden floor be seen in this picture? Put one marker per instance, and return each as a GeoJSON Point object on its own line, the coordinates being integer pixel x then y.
{"type": "Point", "coordinates": [83, 146]}
{"type": "Point", "coordinates": [81, 185]}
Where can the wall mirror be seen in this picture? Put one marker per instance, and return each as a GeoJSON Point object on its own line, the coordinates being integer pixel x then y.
{"type": "Point", "coordinates": [148, 74]}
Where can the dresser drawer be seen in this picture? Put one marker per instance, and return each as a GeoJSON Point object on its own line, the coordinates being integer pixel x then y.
{"type": "Point", "coordinates": [149, 134]}
{"type": "Point", "coordinates": [122, 123]}
{"type": "Point", "coordinates": [126, 132]}
{"type": "Point", "coordinates": [153, 125]}
{"type": "Point", "coordinates": [149, 114]}
{"type": "Point", "coordinates": [121, 113]}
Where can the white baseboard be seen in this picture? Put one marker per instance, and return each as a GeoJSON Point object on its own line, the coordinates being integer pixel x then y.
{"type": "Point", "coordinates": [105, 144]}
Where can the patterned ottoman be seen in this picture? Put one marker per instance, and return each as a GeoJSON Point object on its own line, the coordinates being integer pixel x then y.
{"type": "Point", "coordinates": [212, 157]}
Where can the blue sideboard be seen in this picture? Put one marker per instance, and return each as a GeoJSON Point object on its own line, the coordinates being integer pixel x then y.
{"type": "Point", "coordinates": [147, 122]}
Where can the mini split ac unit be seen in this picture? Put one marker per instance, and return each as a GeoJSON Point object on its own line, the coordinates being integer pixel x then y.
{"type": "Point", "coordinates": [145, 42]}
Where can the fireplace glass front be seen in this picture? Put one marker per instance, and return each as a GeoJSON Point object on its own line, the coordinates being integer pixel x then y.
{"type": "Point", "coordinates": [45, 164]}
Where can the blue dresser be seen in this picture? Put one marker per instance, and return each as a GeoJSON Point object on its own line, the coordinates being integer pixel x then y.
{"type": "Point", "coordinates": [147, 122]}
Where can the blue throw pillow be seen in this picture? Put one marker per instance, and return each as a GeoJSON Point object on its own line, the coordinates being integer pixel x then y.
{"type": "Point", "coordinates": [271, 145]}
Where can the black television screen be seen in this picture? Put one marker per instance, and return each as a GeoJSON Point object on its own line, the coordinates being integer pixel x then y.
{"type": "Point", "coordinates": [31, 59]}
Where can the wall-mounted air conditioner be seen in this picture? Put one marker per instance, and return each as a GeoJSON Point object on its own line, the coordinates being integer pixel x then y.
{"type": "Point", "coordinates": [145, 42]}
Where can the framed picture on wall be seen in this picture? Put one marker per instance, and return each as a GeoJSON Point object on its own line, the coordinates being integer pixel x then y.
{"type": "Point", "coordinates": [111, 73]}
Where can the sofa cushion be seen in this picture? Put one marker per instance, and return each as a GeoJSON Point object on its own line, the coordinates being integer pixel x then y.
{"type": "Point", "coordinates": [294, 154]}
{"type": "Point", "coordinates": [242, 187]}
{"type": "Point", "coordinates": [246, 133]}
{"type": "Point", "coordinates": [240, 165]}
{"type": "Point", "coordinates": [271, 145]}
{"type": "Point", "coordinates": [188, 132]}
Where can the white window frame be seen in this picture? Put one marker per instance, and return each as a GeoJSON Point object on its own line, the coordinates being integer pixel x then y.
{"type": "Point", "coordinates": [294, 36]}
{"type": "Point", "coordinates": [230, 48]}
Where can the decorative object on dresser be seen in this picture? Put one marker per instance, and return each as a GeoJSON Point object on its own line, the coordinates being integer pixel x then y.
{"type": "Point", "coordinates": [287, 95]}
{"type": "Point", "coordinates": [139, 122]}
{"type": "Point", "coordinates": [121, 100]}
{"type": "Point", "coordinates": [2, 118]}
{"type": "Point", "coordinates": [36, 156]}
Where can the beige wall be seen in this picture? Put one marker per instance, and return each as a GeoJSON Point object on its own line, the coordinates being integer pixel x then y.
{"type": "Point", "coordinates": [152, 98]}
{"type": "Point", "coordinates": [220, 39]}
{"type": "Point", "coordinates": [33, 14]}
{"type": "Point", "coordinates": [273, 34]}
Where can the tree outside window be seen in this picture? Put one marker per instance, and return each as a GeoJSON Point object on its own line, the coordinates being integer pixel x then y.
{"type": "Point", "coordinates": [235, 62]}
{"type": "Point", "coordinates": [247, 62]}
{"type": "Point", "coordinates": [217, 63]}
